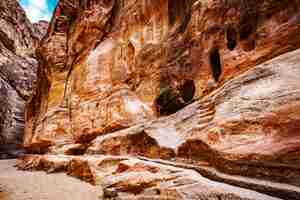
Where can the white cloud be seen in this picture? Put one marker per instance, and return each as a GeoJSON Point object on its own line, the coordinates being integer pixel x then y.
{"type": "Point", "coordinates": [37, 10]}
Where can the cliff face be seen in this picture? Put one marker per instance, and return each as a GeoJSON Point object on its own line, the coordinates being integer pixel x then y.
{"type": "Point", "coordinates": [117, 77]}
{"type": "Point", "coordinates": [41, 28]}
{"type": "Point", "coordinates": [105, 64]}
{"type": "Point", "coordinates": [18, 40]}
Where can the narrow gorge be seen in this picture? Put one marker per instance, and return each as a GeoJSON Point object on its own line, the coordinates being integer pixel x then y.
{"type": "Point", "coordinates": [18, 64]}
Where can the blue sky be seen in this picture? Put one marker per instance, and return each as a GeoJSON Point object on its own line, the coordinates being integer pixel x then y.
{"type": "Point", "coordinates": [38, 9]}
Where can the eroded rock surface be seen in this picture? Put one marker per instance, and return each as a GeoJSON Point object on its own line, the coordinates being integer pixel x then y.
{"type": "Point", "coordinates": [18, 65]}
{"type": "Point", "coordinates": [208, 86]}
{"type": "Point", "coordinates": [107, 66]}
{"type": "Point", "coordinates": [132, 178]}
{"type": "Point", "coordinates": [41, 28]}
{"type": "Point", "coordinates": [245, 128]}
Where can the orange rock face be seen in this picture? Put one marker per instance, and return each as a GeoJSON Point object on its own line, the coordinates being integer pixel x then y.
{"type": "Point", "coordinates": [104, 64]}
{"type": "Point", "coordinates": [117, 78]}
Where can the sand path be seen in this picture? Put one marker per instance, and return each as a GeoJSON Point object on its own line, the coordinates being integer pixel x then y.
{"type": "Point", "coordinates": [20, 185]}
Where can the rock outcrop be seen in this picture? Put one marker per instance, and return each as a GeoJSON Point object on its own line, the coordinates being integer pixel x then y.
{"type": "Point", "coordinates": [210, 88]}
{"type": "Point", "coordinates": [124, 177]}
{"type": "Point", "coordinates": [41, 28]}
{"type": "Point", "coordinates": [110, 65]}
{"type": "Point", "coordinates": [18, 65]}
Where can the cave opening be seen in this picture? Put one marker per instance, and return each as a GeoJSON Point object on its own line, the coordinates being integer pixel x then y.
{"type": "Point", "coordinates": [168, 101]}
{"type": "Point", "coordinates": [231, 37]}
{"type": "Point", "coordinates": [171, 100]}
{"type": "Point", "coordinates": [188, 90]}
{"type": "Point", "coordinates": [215, 63]}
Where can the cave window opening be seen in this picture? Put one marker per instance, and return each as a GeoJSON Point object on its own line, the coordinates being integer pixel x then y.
{"type": "Point", "coordinates": [188, 90]}
{"type": "Point", "coordinates": [215, 64]}
{"type": "Point", "coordinates": [231, 37]}
{"type": "Point", "coordinates": [171, 100]}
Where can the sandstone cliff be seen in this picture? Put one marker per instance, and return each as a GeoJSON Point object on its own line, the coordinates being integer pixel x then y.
{"type": "Point", "coordinates": [166, 92]}
{"type": "Point", "coordinates": [41, 28]}
{"type": "Point", "coordinates": [18, 65]}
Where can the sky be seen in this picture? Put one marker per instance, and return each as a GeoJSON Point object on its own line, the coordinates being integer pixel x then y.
{"type": "Point", "coordinates": [38, 9]}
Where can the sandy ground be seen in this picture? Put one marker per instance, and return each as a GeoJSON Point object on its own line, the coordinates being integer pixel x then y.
{"type": "Point", "coordinates": [20, 185]}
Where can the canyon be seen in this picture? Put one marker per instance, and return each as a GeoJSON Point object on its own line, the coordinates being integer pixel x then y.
{"type": "Point", "coordinates": [184, 99]}
{"type": "Point", "coordinates": [18, 65]}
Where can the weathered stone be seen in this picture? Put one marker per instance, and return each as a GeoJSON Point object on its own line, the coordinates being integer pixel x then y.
{"type": "Point", "coordinates": [142, 179]}
{"type": "Point", "coordinates": [42, 28]}
{"type": "Point", "coordinates": [112, 72]}
{"type": "Point", "coordinates": [18, 40]}
{"type": "Point", "coordinates": [240, 129]}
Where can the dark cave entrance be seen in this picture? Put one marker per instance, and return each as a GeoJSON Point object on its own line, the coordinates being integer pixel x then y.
{"type": "Point", "coordinates": [188, 90]}
{"type": "Point", "coordinates": [231, 37]}
{"type": "Point", "coordinates": [171, 100]}
{"type": "Point", "coordinates": [215, 64]}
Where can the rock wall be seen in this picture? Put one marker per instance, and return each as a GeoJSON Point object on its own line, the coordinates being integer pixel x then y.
{"type": "Point", "coordinates": [18, 65]}
{"type": "Point", "coordinates": [41, 28]}
{"type": "Point", "coordinates": [109, 65]}
{"type": "Point", "coordinates": [210, 86]}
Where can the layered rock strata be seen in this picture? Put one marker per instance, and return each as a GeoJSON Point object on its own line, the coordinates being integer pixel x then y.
{"type": "Point", "coordinates": [109, 65]}
{"type": "Point", "coordinates": [18, 65]}
{"type": "Point", "coordinates": [125, 178]}
{"type": "Point", "coordinates": [209, 86]}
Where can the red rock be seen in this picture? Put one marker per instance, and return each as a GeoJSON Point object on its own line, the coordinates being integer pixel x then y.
{"type": "Point", "coordinates": [117, 78]}
{"type": "Point", "coordinates": [252, 132]}
{"type": "Point", "coordinates": [167, 182]}
{"type": "Point", "coordinates": [81, 169]}
{"type": "Point", "coordinates": [111, 72]}
{"type": "Point", "coordinates": [42, 27]}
